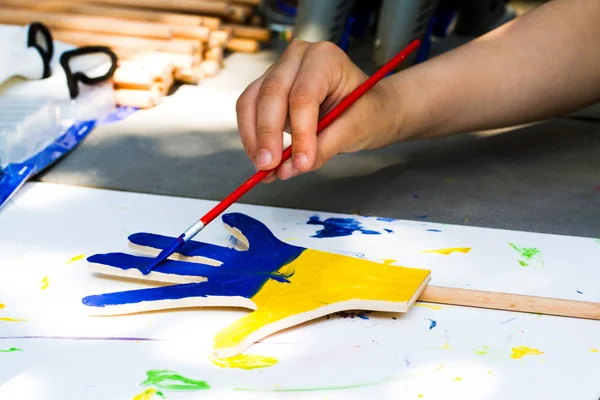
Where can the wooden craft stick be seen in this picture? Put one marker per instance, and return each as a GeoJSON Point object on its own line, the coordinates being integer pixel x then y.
{"type": "Point", "coordinates": [210, 68]}
{"type": "Point", "coordinates": [253, 3]}
{"type": "Point", "coordinates": [249, 32]}
{"type": "Point", "coordinates": [218, 38]}
{"type": "Point", "coordinates": [511, 302]}
{"type": "Point", "coordinates": [137, 98]}
{"type": "Point", "coordinates": [85, 23]}
{"type": "Point", "coordinates": [78, 38]}
{"type": "Point", "coordinates": [191, 76]}
{"type": "Point", "coordinates": [177, 60]}
{"type": "Point", "coordinates": [215, 53]}
{"type": "Point", "coordinates": [243, 45]}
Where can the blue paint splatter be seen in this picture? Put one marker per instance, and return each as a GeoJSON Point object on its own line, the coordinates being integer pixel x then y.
{"type": "Point", "coordinates": [335, 227]}
{"type": "Point", "coordinates": [433, 230]}
{"type": "Point", "coordinates": [421, 216]}
{"type": "Point", "coordinates": [389, 230]}
{"type": "Point", "coordinates": [580, 292]}
{"type": "Point", "coordinates": [386, 219]}
{"type": "Point", "coordinates": [433, 323]}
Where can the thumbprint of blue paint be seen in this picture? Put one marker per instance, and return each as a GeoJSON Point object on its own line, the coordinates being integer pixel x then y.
{"type": "Point", "coordinates": [334, 227]}
{"type": "Point", "coordinates": [433, 323]}
{"type": "Point", "coordinates": [433, 230]}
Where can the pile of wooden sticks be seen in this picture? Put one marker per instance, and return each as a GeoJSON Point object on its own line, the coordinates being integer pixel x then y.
{"type": "Point", "coordinates": [158, 42]}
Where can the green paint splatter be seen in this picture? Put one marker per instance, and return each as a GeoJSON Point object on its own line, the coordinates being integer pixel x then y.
{"type": "Point", "coordinates": [597, 240]}
{"type": "Point", "coordinates": [527, 253]}
{"type": "Point", "coordinates": [160, 378]}
{"type": "Point", "coordinates": [11, 350]}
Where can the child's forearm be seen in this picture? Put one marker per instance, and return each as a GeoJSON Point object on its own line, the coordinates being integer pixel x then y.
{"type": "Point", "coordinates": [543, 64]}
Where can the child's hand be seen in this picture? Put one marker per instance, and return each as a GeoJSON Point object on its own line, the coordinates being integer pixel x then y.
{"type": "Point", "coordinates": [305, 83]}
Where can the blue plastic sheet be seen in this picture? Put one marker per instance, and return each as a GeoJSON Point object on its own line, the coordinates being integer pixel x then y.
{"type": "Point", "coordinates": [14, 176]}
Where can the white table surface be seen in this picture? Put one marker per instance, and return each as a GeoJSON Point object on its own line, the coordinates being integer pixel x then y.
{"type": "Point", "coordinates": [467, 355]}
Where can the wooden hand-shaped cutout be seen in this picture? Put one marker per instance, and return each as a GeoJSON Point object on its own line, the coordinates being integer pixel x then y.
{"type": "Point", "coordinates": [285, 285]}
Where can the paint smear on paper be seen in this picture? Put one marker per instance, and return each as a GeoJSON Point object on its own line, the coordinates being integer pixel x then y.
{"type": "Point", "coordinates": [245, 361]}
{"type": "Point", "coordinates": [76, 258]}
{"type": "Point", "coordinates": [388, 261]}
{"type": "Point", "coordinates": [521, 351]}
{"type": "Point", "coordinates": [449, 251]}
{"type": "Point", "coordinates": [171, 380]}
{"type": "Point", "coordinates": [386, 219]}
{"type": "Point", "coordinates": [431, 306]}
{"type": "Point", "coordinates": [389, 230]}
{"type": "Point", "coordinates": [484, 350]}
{"type": "Point", "coordinates": [597, 240]}
{"type": "Point", "coordinates": [527, 253]}
{"type": "Point", "coordinates": [433, 323]}
{"type": "Point", "coordinates": [433, 230]}
{"type": "Point", "coordinates": [594, 350]}
{"type": "Point", "coordinates": [1, 306]}
{"type": "Point", "coordinates": [45, 283]}
{"type": "Point", "coordinates": [12, 319]}
{"type": "Point", "coordinates": [419, 395]}
{"type": "Point", "coordinates": [92, 338]}
{"type": "Point", "coordinates": [335, 227]}
{"type": "Point", "coordinates": [579, 291]}
{"type": "Point", "coordinates": [11, 350]}
{"type": "Point", "coordinates": [148, 394]}
{"type": "Point", "coordinates": [457, 379]}
{"type": "Point", "coordinates": [446, 346]}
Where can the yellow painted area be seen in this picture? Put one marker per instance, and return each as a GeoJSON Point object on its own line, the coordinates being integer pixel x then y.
{"type": "Point", "coordinates": [12, 319]}
{"type": "Point", "coordinates": [428, 306]}
{"type": "Point", "coordinates": [322, 279]}
{"type": "Point", "coordinates": [76, 258]}
{"type": "Point", "coordinates": [45, 283]}
{"type": "Point", "coordinates": [146, 394]}
{"type": "Point", "coordinates": [521, 351]}
{"type": "Point", "coordinates": [484, 350]}
{"type": "Point", "coordinates": [245, 361]}
{"type": "Point", "coordinates": [594, 350]}
{"type": "Point", "coordinates": [449, 251]}
{"type": "Point", "coordinates": [420, 395]}
{"type": "Point", "coordinates": [388, 261]}
{"type": "Point", "coordinates": [457, 379]}
{"type": "Point", "coordinates": [1, 306]}
{"type": "Point", "coordinates": [446, 346]}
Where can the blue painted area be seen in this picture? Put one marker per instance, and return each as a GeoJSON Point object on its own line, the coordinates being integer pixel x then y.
{"type": "Point", "coordinates": [362, 315]}
{"type": "Point", "coordinates": [433, 230]}
{"type": "Point", "coordinates": [421, 216]}
{"type": "Point", "coordinates": [389, 230]}
{"type": "Point", "coordinates": [386, 219]}
{"type": "Point", "coordinates": [580, 292]}
{"type": "Point", "coordinates": [335, 227]}
{"type": "Point", "coordinates": [242, 273]}
{"type": "Point", "coordinates": [433, 323]}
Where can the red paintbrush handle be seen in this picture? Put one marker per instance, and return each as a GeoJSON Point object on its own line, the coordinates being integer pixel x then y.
{"type": "Point", "coordinates": [323, 123]}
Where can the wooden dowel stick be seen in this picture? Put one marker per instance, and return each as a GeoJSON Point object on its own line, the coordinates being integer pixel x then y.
{"type": "Point", "coordinates": [511, 302]}
{"type": "Point", "coordinates": [253, 3]}
{"type": "Point", "coordinates": [242, 45]}
{"type": "Point", "coordinates": [224, 9]}
{"type": "Point", "coordinates": [85, 23]}
{"type": "Point", "coordinates": [78, 38]}
{"type": "Point", "coordinates": [249, 32]}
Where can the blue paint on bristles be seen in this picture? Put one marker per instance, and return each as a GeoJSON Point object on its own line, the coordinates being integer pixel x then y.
{"type": "Point", "coordinates": [162, 256]}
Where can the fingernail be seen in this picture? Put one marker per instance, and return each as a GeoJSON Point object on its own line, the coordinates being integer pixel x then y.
{"type": "Point", "coordinates": [300, 160]}
{"type": "Point", "coordinates": [264, 157]}
{"type": "Point", "coordinates": [288, 171]}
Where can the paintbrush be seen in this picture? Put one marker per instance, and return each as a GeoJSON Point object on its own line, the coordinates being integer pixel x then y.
{"type": "Point", "coordinates": [260, 175]}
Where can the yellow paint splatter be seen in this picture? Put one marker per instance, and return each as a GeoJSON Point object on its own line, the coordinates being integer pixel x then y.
{"type": "Point", "coordinates": [457, 379]}
{"type": "Point", "coordinates": [76, 258]}
{"type": "Point", "coordinates": [489, 372]}
{"type": "Point", "coordinates": [449, 251]}
{"type": "Point", "coordinates": [521, 351]}
{"type": "Point", "coordinates": [388, 261]}
{"type": "Point", "coordinates": [441, 366]}
{"type": "Point", "coordinates": [420, 395]}
{"type": "Point", "coordinates": [45, 283]}
{"type": "Point", "coordinates": [594, 350]}
{"type": "Point", "coordinates": [428, 306]}
{"type": "Point", "coordinates": [484, 350]}
{"type": "Point", "coordinates": [446, 346]}
{"type": "Point", "coordinates": [147, 394]}
{"type": "Point", "coordinates": [245, 361]}
{"type": "Point", "coordinates": [12, 319]}
{"type": "Point", "coordinates": [1, 306]}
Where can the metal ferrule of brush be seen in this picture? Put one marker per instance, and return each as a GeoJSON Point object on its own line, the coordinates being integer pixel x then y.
{"type": "Point", "coordinates": [193, 230]}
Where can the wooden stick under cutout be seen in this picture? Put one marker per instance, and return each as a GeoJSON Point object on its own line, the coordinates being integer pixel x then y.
{"type": "Point", "coordinates": [511, 302]}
